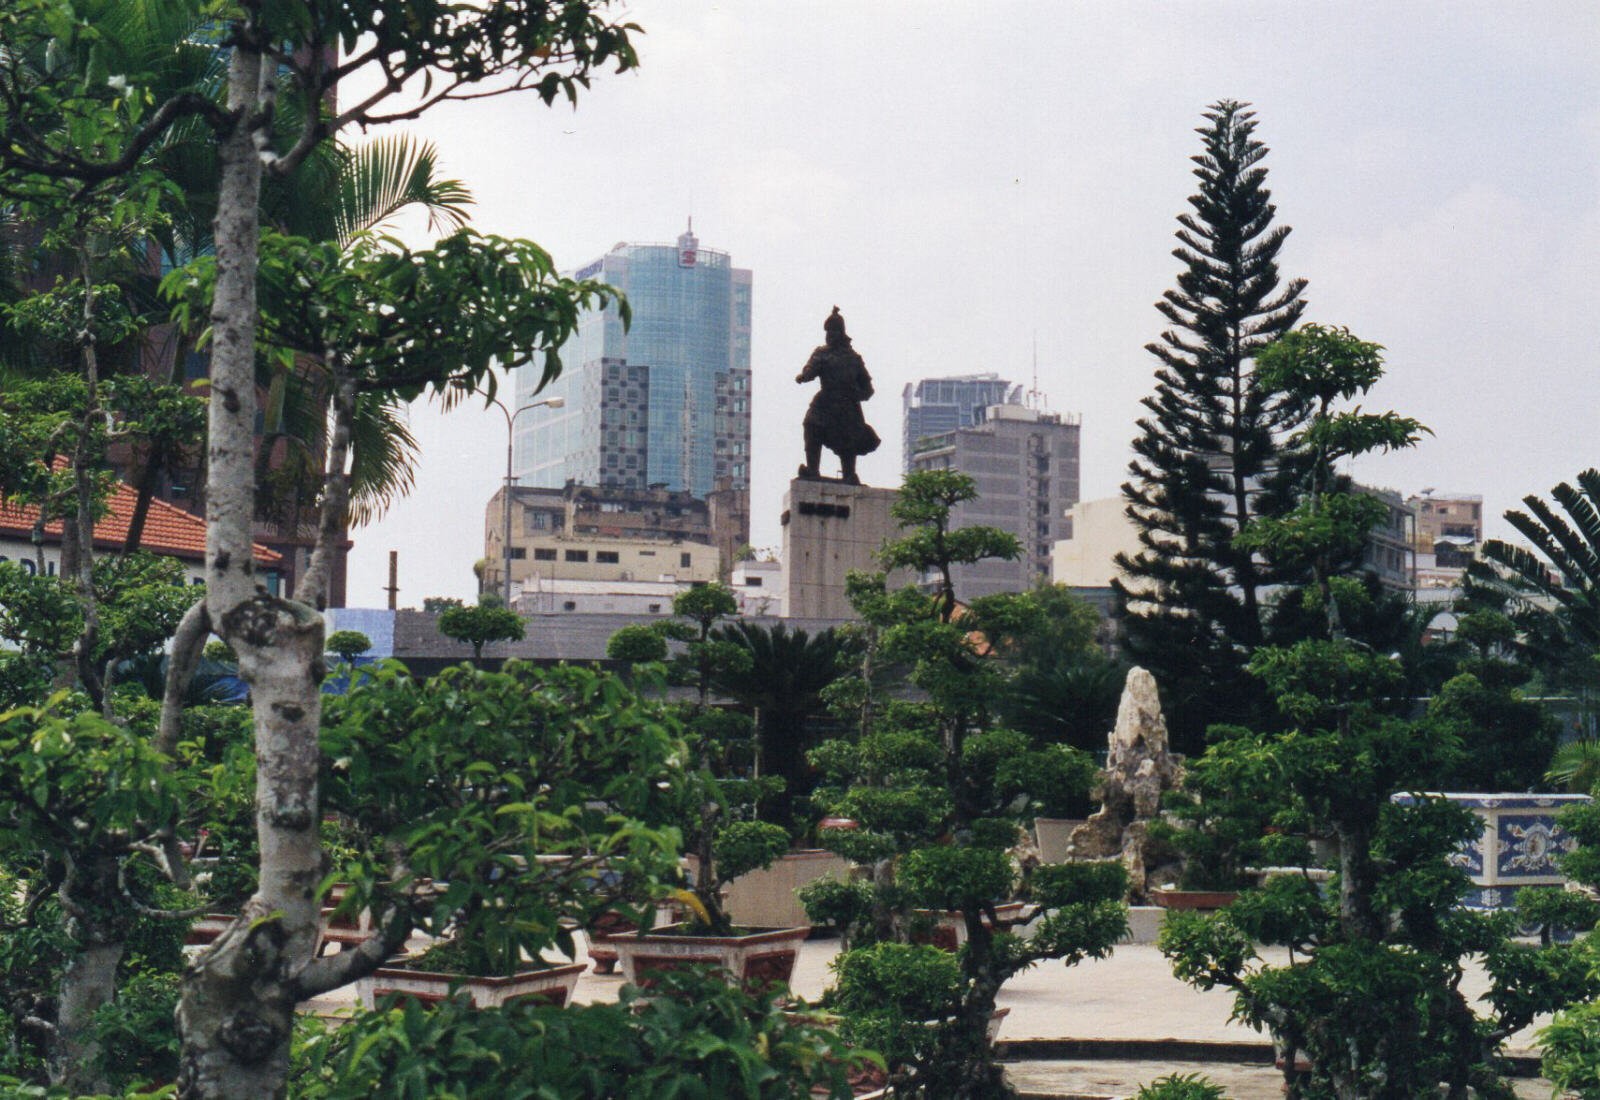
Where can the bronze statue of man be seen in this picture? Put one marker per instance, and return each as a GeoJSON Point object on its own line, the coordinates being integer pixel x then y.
{"type": "Point", "coordinates": [834, 419]}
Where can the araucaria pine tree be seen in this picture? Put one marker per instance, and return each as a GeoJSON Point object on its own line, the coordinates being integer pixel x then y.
{"type": "Point", "coordinates": [1209, 456]}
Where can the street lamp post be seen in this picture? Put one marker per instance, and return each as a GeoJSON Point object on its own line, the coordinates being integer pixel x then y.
{"type": "Point", "coordinates": [505, 533]}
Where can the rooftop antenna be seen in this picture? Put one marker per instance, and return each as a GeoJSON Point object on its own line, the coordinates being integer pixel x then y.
{"type": "Point", "coordinates": [1036, 400]}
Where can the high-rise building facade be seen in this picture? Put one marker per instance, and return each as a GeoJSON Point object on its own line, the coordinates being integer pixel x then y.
{"type": "Point", "coordinates": [1025, 465]}
{"type": "Point", "coordinates": [665, 402]}
{"type": "Point", "coordinates": [938, 405]}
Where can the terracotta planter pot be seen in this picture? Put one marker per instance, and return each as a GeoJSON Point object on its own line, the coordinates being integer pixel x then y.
{"type": "Point", "coordinates": [761, 957]}
{"type": "Point", "coordinates": [609, 924]}
{"type": "Point", "coordinates": [548, 984]}
{"type": "Point", "coordinates": [1193, 899]}
{"type": "Point", "coordinates": [950, 927]}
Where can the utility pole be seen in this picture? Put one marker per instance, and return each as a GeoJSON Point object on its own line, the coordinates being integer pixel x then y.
{"type": "Point", "coordinates": [394, 578]}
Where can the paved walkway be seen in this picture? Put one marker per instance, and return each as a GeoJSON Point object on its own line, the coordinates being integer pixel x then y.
{"type": "Point", "coordinates": [1131, 995]}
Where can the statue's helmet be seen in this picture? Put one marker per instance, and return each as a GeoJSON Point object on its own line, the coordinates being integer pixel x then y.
{"type": "Point", "coordinates": [834, 323]}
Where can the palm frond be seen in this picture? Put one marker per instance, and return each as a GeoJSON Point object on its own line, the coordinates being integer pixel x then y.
{"type": "Point", "coordinates": [1575, 766]}
{"type": "Point", "coordinates": [386, 176]}
{"type": "Point", "coordinates": [383, 458]}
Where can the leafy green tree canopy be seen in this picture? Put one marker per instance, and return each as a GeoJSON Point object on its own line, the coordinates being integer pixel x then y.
{"type": "Point", "coordinates": [480, 625]}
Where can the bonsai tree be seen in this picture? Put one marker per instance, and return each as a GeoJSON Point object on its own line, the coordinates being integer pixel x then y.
{"type": "Point", "coordinates": [494, 810]}
{"type": "Point", "coordinates": [713, 796]}
{"type": "Point", "coordinates": [939, 789]}
{"type": "Point", "coordinates": [1229, 815]}
{"type": "Point", "coordinates": [347, 645]}
{"type": "Point", "coordinates": [1571, 1042]}
{"type": "Point", "coordinates": [887, 993]}
{"type": "Point", "coordinates": [479, 625]}
{"type": "Point", "coordinates": [637, 643]}
{"type": "Point", "coordinates": [1346, 756]}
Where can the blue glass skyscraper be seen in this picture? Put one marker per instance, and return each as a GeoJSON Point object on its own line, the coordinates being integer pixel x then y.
{"type": "Point", "coordinates": [666, 402]}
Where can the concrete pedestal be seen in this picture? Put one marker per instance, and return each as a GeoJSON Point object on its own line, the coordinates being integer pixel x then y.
{"type": "Point", "coordinates": [829, 529]}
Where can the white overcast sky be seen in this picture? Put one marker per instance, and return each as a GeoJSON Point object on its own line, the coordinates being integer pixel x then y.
{"type": "Point", "coordinates": [962, 177]}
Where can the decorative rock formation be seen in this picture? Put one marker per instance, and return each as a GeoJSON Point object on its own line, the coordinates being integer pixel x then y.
{"type": "Point", "coordinates": [1138, 769]}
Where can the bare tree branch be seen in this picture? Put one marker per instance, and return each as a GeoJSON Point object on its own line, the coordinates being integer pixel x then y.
{"type": "Point", "coordinates": [193, 629]}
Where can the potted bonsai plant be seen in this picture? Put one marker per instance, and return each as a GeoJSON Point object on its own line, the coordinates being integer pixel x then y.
{"type": "Point", "coordinates": [708, 935]}
{"type": "Point", "coordinates": [493, 812]}
{"type": "Point", "coordinates": [707, 809]}
{"type": "Point", "coordinates": [1060, 799]}
{"type": "Point", "coordinates": [940, 789]}
{"type": "Point", "coordinates": [1225, 820]}
{"type": "Point", "coordinates": [488, 969]}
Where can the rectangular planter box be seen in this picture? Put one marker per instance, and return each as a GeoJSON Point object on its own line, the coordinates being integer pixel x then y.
{"type": "Point", "coordinates": [764, 956]}
{"type": "Point", "coordinates": [766, 899]}
{"type": "Point", "coordinates": [551, 985]}
{"type": "Point", "coordinates": [609, 925]}
{"type": "Point", "coordinates": [950, 927]}
{"type": "Point", "coordinates": [1050, 835]}
{"type": "Point", "coordinates": [1518, 846]}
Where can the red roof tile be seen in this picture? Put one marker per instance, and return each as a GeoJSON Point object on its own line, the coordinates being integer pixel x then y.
{"type": "Point", "coordinates": [167, 528]}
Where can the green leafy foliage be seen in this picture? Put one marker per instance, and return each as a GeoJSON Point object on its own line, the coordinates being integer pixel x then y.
{"type": "Point", "coordinates": [956, 878]}
{"type": "Point", "coordinates": [71, 780]}
{"type": "Point", "coordinates": [938, 789]}
{"type": "Point", "coordinates": [1389, 930]}
{"type": "Point", "coordinates": [1066, 689]}
{"type": "Point", "coordinates": [524, 792]}
{"type": "Point", "coordinates": [1552, 591]}
{"type": "Point", "coordinates": [480, 625]}
{"type": "Point", "coordinates": [347, 644]}
{"type": "Point", "coordinates": [1571, 1044]}
{"type": "Point", "coordinates": [888, 995]}
{"type": "Point", "coordinates": [1552, 909]}
{"type": "Point", "coordinates": [637, 643]}
{"type": "Point", "coordinates": [139, 1043]}
{"type": "Point", "coordinates": [782, 679]}
{"type": "Point", "coordinates": [1219, 820]}
{"type": "Point", "coordinates": [695, 1038]}
{"type": "Point", "coordinates": [139, 599]}
{"type": "Point", "coordinates": [1180, 1086]}
{"type": "Point", "coordinates": [1582, 823]}
{"type": "Point", "coordinates": [1397, 938]}
{"type": "Point", "coordinates": [24, 678]}
{"type": "Point", "coordinates": [745, 846]}
{"type": "Point", "coordinates": [845, 906]}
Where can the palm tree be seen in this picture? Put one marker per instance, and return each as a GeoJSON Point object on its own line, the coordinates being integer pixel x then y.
{"type": "Point", "coordinates": [783, 682]}
{"type": "Point", "coordinates": [1575, 766]}
{"type": "Point", "coordinates": [1551, 592]}
{"type": "Point", "coordinates": [340, 196]}
{"type": "Point", "coordinates": [1068, 702]}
